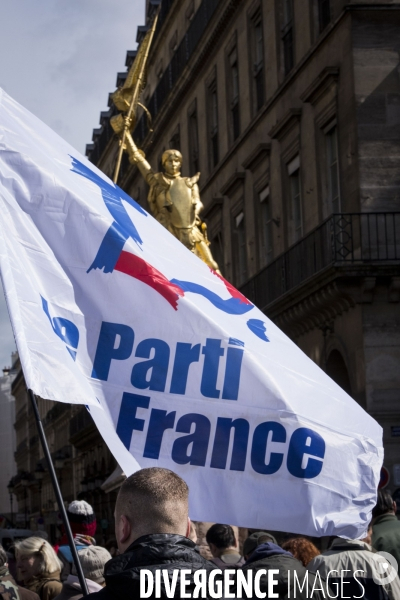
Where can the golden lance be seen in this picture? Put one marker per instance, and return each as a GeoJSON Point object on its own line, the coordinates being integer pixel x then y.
{"type": "Point", "coordinates": [136, 78]}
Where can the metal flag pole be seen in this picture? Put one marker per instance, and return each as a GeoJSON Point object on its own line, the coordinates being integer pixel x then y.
{"type": "Point", "coordinates": [136, 92]}
{"type": "Point", "coordinates": [57, 492]}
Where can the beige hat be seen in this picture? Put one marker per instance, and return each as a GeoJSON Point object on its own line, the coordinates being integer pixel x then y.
{"type": "Point", "coordinates": [93, 559]}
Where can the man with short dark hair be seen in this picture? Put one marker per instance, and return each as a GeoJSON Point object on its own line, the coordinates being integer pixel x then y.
{"type": "Point", "coordinates": [224, 547]}
{"type": "Point", "coordinates": [9, 589]}
{"type": "Point", "coordinates": [386, 526]}
{"type": "Point", "coordinates": [151, 528]}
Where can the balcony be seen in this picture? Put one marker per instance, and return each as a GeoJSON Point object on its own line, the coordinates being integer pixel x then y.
{"type": "Point", "coordinates": [343, 240]}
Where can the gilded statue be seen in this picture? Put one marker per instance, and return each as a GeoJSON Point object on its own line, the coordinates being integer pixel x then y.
{"type": "Point", "coordinates": [175, 200]}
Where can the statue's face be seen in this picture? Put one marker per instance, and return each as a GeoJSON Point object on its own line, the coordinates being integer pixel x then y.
{"type": "Point", "coordinates": [172, 165]}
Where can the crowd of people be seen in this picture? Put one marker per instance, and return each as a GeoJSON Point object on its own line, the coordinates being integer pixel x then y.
{"type": "Point", "coordinates": [153, 532]}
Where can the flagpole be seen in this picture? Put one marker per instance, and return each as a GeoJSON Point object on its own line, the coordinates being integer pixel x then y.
{"type": "Point", "coordinates": [135, 95]}
{"type": "Point", "coordinates": [57, 492]}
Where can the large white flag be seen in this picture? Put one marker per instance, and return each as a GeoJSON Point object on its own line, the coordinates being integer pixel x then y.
{"type": "Point", "coordinates": [177, 368]}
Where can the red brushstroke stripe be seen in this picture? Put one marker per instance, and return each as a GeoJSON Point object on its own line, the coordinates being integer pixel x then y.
{"type": "Point", "coordinates": [136, 267]}
{"type": "Point", "coordinates": [232, 290]}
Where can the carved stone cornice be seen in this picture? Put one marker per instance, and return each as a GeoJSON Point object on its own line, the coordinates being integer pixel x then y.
{"type": "Point", "coordinates": [256, 156]}
{"type": "Point", "coordinates": [214, 206]}
{"type": "Point", "coordinates": [286, 124]}
{"type": "Point", "coordinates": [317, 309]}
{"type": "Point", "coordinates": [321, 85]}
{"type": "Point", "coordinates": [233, 183]}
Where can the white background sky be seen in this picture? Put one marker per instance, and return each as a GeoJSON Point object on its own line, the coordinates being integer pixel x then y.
{"type": "Point", "coordinates": [59, 59]}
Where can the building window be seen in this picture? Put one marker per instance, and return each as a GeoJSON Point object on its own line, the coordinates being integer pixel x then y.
{"type": "Point", "coordinates": [239, 249]}
{"type": "Point", "coordinates": [258, 60]}
{"type": "Point", "coordinates": [193, 129]}
{"type": "Point", "coordinates": [288, 36]}
{"type": "Point", "coordinates": [296, 218]}
{"type": "Point", "coordinates": [234, 92]}
{"type": "Point", "coordinates": [175, 141]}
{"type": "Point", "coordinates": [324, 13]}
{"type": "Point", "coordinates": [333, 169]}
{"type": "Point", "coordinates": [266, 253]}
{"type": "Point", "coordinates": [213, 123]}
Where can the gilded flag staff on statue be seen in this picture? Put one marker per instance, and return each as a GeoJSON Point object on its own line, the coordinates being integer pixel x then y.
{"type": "Point", "coordinates": [177, 368]}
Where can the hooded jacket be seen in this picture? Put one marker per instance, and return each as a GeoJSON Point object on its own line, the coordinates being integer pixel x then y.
{"type": "Point", "coordinates": [293, 580]}
{"type": "Point", "coordinates": [152, 552]}
{"type": "Point", "coordinates": [352, 566]}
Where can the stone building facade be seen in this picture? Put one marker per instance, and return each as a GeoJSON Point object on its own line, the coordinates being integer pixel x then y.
{"type": "Point", "coordinates": [81, 459]}
{"type": "Point", "coordinates": [7, 436]}
{"type": "Point", "coordinates": [291, 111]}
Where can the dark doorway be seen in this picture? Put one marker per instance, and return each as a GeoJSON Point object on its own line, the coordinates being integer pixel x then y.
{"type": "Point", "coordinates": [337, 370]}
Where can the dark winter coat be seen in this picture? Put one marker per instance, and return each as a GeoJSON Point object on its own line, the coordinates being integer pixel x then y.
{"type": "Point", "coordinates": [269, 556]}
{"type": "Point", "coordinates": [47, 585]}
{"type": "Point", "coordinates": [153, 552]}
{"type": "Point", "coordinates": [386, 535]}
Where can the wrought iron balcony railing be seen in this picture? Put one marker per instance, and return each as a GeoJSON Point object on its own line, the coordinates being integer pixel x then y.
{"type": "Point", "coordinates": [343, 239]}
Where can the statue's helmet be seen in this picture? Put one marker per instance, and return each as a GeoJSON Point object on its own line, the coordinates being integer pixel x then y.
{"type": "Point", "coordinates": [175, 153]}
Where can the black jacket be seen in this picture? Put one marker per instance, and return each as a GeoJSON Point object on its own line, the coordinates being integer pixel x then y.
{"type": "Point", "coordinates": [270, 556]}
{"type": "Point", "coordinates": [156, 551]}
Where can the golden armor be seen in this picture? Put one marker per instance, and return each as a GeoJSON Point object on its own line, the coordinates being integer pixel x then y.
{"type": "Point", "coordinates": [175, 200]}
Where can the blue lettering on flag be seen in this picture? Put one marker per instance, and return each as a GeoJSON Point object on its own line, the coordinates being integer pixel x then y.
{"type": "Point", "coordinates": [305, 448]}
{"type": "Point", "coordinates": [305, 443]}
{"type": "Point", "coordinates": [160, 420]}
{"type": "Point", "coordinates": [157, 366]}
{"type": "Point", "coordinates": [127, 421]}
{"type": "Point", "coordinates": [106, 351]}
{"type": "Point", "coordinates": [192, 449]}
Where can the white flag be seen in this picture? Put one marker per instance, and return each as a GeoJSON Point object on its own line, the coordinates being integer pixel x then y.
{"type": "Point", "coordinates": [177, 368]}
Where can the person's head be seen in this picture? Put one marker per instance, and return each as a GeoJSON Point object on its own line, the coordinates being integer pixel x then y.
{"type": "Point", "coordinates": [82, 519]}
{"type": "Point", "coordinates": [302, 549]}
{"type": "Point", "coordinates": [152, 500]}
{"type": "Point", "coordinates": [35, 557]}
{"type": "Point", "coordinates": [254, 540]}
{"type": "Point", "coordinates": [93, 559]}
{"type": "Point", "coordinates": [171, 161]}
{"type": "Point", "coordinates": [220, 537]}
{"type": "Point", "coordinates": [384, 504]}
{"type": "Point", "coordinates": [3, 557]}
